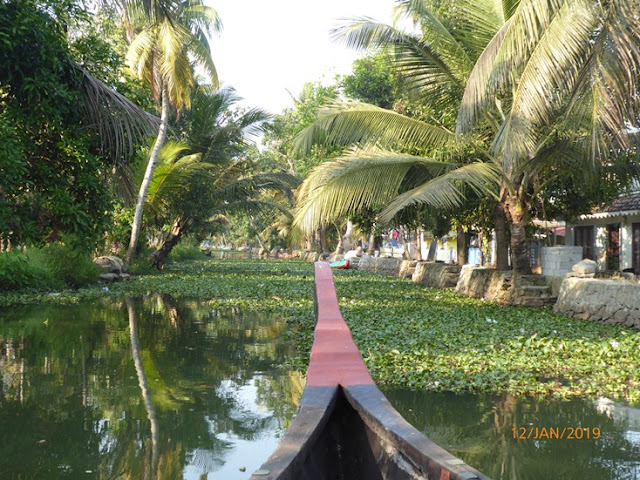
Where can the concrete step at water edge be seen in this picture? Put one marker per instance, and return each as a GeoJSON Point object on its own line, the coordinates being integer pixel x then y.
{"type": "Point", "coordinates": [533, 280]}
{"type": "Point", "coordinates": [536, 301]}
{"type": "Point", "coordinates": [535, 291]}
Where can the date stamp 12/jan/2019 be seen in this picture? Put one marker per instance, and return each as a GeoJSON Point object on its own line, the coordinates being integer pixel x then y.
{"type": "Point", "coordinates": [556, 433]}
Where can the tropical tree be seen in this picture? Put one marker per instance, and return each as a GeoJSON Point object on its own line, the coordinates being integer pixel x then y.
{"type": "Point", "coordinates": [209, 175]}
{"type": "Point", "coordinates": [171, 33]}
{"type": "Point", "coordinates": [569, 72]}
{"type": "Point", "coordinates": [395, 153]}
{"type": "Point", "coordinates": [542, 86]}
{"type": "Point", "coordinates": [62, 128]}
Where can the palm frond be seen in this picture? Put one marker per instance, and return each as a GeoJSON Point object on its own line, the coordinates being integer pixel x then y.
{"type": "Point", "coordinates": [437, 38]}
{"type": "Point", "coordinates": [344, 124]}
{"type": "Point", "coordinates": [168, 178]}
{"type": "Point", "coordinates": [503, 61]}
{"type": "Point", "coordinates": [444, 192]}
{"type": "Point", "coordinates": [120, 123]}
{"type": "Point", "coordinates": [436, 62]}
{"type": "Point", "coordinates": [605, 99]}
{"type": "Point", "coordinates": [346, 185]}
{"type": "Point", "coordinates": [548, 76]}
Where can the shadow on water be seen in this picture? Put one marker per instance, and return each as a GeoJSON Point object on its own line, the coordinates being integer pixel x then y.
{"type": "Point", "coordinates": [480, 430]}
{"type": "Point", "coordinates": [145, 388]}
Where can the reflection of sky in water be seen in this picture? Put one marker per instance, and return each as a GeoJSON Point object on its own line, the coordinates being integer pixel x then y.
{"type": "Point", "coordinates": [240, 452]}
{"type": "Point", "coordinates": [210, 386]}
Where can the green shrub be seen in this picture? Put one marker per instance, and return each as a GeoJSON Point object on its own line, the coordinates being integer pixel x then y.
{"type": "Point", "coordinates": [53, 266]}
{"type": "Point", "coordinates": [68, 265]}
{"type": "Point", "coordinates": [140, 264]}
{"type": "Point", "coordinates": [18, 271]}
{"type": "Point", "coordinates": [187, 249]}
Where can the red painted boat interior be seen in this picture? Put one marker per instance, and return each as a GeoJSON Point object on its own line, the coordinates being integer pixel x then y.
{"type": "Point", "coordinates": [345, 428]}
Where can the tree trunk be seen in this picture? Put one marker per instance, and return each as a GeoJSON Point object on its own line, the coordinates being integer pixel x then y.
{"type": "Point", "coordinates": [433, 246]}
{"type": "Point", "coordinates": [159, 257]}
{"type": "Point", "coordinates": [518, 215]}
{"type": "Point", "coordinates": [258, 237]}
{"type": "Point", "coordinates": [347, 242]}
{"type": "Point", "coordinates": [462, 243]}
{"type": "Point", "coordinates": [371, 248]}
{"type": "Point", "coordinates": [340, 246]}
{"type": "Point", "coordinates": [322, 237]}
{"type": "Point", "coordinates": [500, 228]}
{"type": "Point", "coordinates": [418, 245]}
{"type": "Point", "coordinates": [148, 176]}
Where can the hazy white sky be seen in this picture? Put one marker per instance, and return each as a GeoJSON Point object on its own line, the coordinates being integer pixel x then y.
{"type": "Point", "coordinates": [270, 46]}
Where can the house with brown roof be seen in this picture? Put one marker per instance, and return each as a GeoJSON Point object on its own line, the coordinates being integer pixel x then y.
{"type": "Point", "coordinates": [610, 235]}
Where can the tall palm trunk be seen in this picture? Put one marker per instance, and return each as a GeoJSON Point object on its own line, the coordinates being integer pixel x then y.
{"type": "Point", "coordinates": [518, 215]}
{"type": "Point", "coordinates": [148, 175]}
{"type": "Point", "coordinates": [322, 237]}
{"type": "Point", "coordinates": [500, 228]}
{"type": "Point", "coordinates": [347, 241]}
{"type": "Point", "coordinates": [462, 244]}
{"type": "Point", "coordinates": [340, 245]}
{"type": "Point", "coordinates": [258, 237]}
{"type": "Point", "coordinates": [159, 257]}
{"type": "Point", "coordinates": [371, 248]}
{"type": "Point", "coordinates": [433, 249]}
{"type": "Point", "coordinates": [418, 245]}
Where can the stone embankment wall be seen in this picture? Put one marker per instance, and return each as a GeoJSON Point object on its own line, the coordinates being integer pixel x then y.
{"type": "Point", "coordinates": [607, 301]}
{"type": "Point", "coordinates": [382, 265]}
{"type": "Point", "coordinates": [504, 287]}
{"type": "Point", "coordinates": [557, 261]}
{"type": "Point", "coordinates": [436, 274]}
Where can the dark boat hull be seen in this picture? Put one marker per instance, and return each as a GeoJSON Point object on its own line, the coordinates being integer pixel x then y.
{"type": "Point", "coordinates": [345, 428]}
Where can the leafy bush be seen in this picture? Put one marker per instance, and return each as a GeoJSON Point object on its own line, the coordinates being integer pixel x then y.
{"type": "Point", "coordinates": [67, 264]}
{"type": "Point", "coordinates": [50, 267]}
{"type": "Point", "coordinates": [18, 271]}
{"type": "Point", "coordinates": [187, 249]}
{"type": "Point", "coordinates": [140, 264]}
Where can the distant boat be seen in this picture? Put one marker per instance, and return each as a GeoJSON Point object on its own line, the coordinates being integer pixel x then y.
{"type": "Point", "coordinates": [344, 427]}
{"type": "Point", "coordinates": [344, 263]}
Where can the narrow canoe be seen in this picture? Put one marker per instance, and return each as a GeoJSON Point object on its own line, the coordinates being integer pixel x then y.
{"type": "Point", "coordinates": [344, 427]}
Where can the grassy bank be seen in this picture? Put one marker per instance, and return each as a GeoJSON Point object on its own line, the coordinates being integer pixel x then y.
{"type": "Point", "coordinates": [410, 335]}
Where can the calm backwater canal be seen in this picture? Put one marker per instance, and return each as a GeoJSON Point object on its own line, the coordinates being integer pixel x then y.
{"type": "Point", "coordinates": [156, 388]}
{"type": "Point", "coordinates": [140, 388]}
{"type": "Point", "coordinates": [479, 430]}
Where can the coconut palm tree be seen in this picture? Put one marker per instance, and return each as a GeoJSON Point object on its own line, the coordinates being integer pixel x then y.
{"type": "Point", "coordinates": [394, 152]}
{"type": "Point", "coordinates": [207, 176]}
{"type": "Point", "coordinates": [569, 72]}
{"type": "Point", "coordinates": [555, 87]}
{"type": "Point", "coordinates": [171, 33]}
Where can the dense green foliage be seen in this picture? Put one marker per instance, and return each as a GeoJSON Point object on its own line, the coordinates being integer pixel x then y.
{"type": "Point", "coordinates": [53, 266]}
{"type": "Point", "coordinates": [414, 336]}
{"type": "Point", "coordinates": [50, 180]}
{"type": "Point", "coordinates": [373, 80]}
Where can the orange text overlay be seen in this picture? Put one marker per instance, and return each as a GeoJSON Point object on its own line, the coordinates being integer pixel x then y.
{"type": "Point", "coordinates": [555, 433]}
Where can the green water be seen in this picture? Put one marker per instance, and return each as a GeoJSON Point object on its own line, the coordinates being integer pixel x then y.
{"type": "Point", "coordinates": [156, 388]}
{"type": "Point", "coordinates": [480, 430]}
{"type": "Point", "coordinates": [144, 388]}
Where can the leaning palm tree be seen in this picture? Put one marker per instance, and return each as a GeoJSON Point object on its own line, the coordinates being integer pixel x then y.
{"type": "Point", "coordinates": [393, 162]}
{"type": "Point", "coordinates": [569, 72]}
{"type": "Point", "coordinates": [207, 176]}
{"type": "Point", "coordinates": [555, 87]}
{"type": "Point", "coordinates": [170, 33]}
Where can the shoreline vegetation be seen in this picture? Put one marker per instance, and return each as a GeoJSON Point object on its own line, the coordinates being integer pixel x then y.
{"type": "Point", "coordinates": [410, 336]}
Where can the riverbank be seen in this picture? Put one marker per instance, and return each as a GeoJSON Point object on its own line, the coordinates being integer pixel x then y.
{"type": "Point", "coordinates": [409, 335]}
